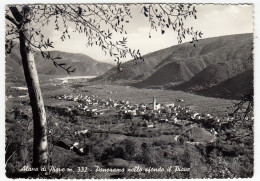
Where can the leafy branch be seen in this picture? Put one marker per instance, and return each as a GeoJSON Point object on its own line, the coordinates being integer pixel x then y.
{"type": "Point", "coordinates": [99, 22]}
{"type": "Point", "coordinates": [247, 99]}
{"type": "Point", "coordinates": [246, 104]}
{"type": "Point", "coordinates": [166, 16]}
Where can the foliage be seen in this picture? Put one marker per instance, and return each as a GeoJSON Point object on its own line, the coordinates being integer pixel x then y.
{"type": "Point", "coordinates": [213, 158]}
{"type": "Point", "coordinates": [126, 149]}
{"type": "Point", "coordinates": [165, 16]}
{"type": "Point", "coordinates": [245, 107]}
{"type": "Point", "coordinates": [219, 169]}
{"type": "Point", "coordinates": [18, 145]}
{"type": "Point", "coordinates": [98, 22]}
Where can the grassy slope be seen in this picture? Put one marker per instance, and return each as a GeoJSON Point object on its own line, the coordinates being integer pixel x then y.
{"type": "Point", "coordinates": [172, 72]}
{"type": "Point", "coordinates": [232, 48]}
{"type": "Point", "coordinates": [231, 88]}
{"type": "Point", "coordinates": [211, 76]}
{"type": "Point", "coordinates": [214, 106]}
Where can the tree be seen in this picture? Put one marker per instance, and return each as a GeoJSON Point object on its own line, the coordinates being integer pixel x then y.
{"type": "Point", "coordinates": [40, 144]}
{"type": "Point", "coordinates": [247, 99]}
{"type": "Point", "coordinates": [98, 22]}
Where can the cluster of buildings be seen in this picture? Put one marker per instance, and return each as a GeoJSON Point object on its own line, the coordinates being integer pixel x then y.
{"type": "Point", "coordinates": [149, 114]}
{"type": "Point", "coordinates": [92, 105]}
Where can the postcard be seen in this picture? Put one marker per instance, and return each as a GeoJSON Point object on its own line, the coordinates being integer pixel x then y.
{"type": "Point", "coordinates": [129, 90]}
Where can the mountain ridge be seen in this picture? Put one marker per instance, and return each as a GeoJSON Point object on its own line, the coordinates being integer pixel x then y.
{"type": "Point", "coordinates": [84, 64]}
{"type": "Point", "coordinates": [185, 67]}
{"type": "Point", "coordinates": [203, 54]}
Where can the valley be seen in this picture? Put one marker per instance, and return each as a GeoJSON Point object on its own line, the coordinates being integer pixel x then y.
{"type": "Point", "coordinates": [175, 109]}
{"type": "Point", "coordinates": [114, 126]}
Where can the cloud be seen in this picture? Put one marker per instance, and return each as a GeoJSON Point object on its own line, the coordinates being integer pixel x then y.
{"type": "Point", "coordinates": [213, 20]}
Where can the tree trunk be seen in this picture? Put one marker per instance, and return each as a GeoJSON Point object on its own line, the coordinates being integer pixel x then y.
{"type": "Point", "coordinates": [40, 143]}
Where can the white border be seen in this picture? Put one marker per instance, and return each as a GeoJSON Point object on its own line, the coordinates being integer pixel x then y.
{"type": "Point", "coordinates": [256, 65]}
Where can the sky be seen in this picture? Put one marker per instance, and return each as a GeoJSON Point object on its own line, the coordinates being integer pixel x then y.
{"type": "Point", "coordinates": [212, 20]}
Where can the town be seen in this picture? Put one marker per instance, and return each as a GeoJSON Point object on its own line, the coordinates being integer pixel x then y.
{"type": "Point", "coordinates": [148, 115]}
{"type": "Point", "coordinates": [84, 123]}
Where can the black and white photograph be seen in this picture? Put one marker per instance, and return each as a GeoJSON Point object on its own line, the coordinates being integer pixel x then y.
{"type": "Point", "coordinates": [129, 90]}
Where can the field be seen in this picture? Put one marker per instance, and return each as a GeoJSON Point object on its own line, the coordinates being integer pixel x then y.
{"type": "Point", "coordinates": [202, 104]}
{"type": "Point", "coordinates": [214, 106]}
{"type": "Point", "coordinates": [121, 142]}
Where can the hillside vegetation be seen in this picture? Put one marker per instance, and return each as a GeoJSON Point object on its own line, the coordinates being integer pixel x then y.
{"type": "Point", "coordinates": [231, 88]}
{"type": "Point", "coordinates": [188, 68]}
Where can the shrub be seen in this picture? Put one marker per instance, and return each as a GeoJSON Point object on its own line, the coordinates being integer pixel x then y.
{"type": "Point", "coordinates": [152, 157]}
{"type": "Point", "coordinates": [160, 143]}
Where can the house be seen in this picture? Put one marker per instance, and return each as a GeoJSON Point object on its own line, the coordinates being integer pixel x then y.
{"type": "Point", "coordinates": [85, 108]}
{"type": "Point", "coordinates": [142, 107]}
{"type": "Point", "coordinates": [180, 100]}
{"type": "Point", "coordinates": [83, 132]}
{"type": "Point", "coordinates": [133, 112]}
{"type": "Point", "coordinates": [115, 104]}
{"type": "Point", "coordinates": [208, 116]}
{"type": "Point", "coordinates": [170, 105]}
{"type": "Point", "coordinates": [139, 112]}
{"type": "Point", "coordinates": [150, 125]}
{"type": "Point", "coordinates": [163, 120]}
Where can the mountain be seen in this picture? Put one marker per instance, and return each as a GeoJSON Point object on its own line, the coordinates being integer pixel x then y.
{"type": "Point", "coordinates": [212, 75]}
{"type": "Point", "coordinates": [182, 62]}
{"type": "Point", "coordinates": [172, 72]}
{"type": "Point", "coordinates": [85, 65]}
{"type": "Point", "coordinates": [200, 69]}
{"type": "Point", "coordinates": [135, 70]}
{"type": "Point", "coordinates": [231, 88]}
